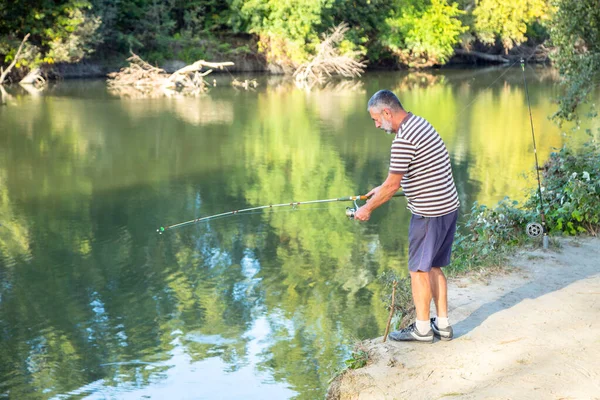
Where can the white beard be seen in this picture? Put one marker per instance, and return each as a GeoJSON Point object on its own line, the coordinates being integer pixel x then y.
{"type": "Point", "coordinates": [387, 126]}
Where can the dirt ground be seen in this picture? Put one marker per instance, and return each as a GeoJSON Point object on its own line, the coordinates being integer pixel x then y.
{"type": "Point", "coordinates": [533, 333]}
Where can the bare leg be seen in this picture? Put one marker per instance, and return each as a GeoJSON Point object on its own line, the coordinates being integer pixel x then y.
{"type": "Point", "coordinates": [439, 291]}
{"type": "Point", "coordinates": [421, 291]}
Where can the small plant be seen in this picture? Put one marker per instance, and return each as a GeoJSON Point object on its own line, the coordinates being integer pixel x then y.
{"type": "Point", "coordinates": [358, 359]}
{"type": "Point", "coordinates": [404, 308]}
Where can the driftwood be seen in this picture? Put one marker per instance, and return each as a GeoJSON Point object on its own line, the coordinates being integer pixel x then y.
{"type": "Point", "coordinates": [329, 61]}
{"type": "Point", "coordinates": [4, 72]}
{"type": "Point", "coordinates": [141, 79]}
{"type": "Point", "coordinates": [34, 77]}
{"type": "Point", "coordinates": [246, 84]}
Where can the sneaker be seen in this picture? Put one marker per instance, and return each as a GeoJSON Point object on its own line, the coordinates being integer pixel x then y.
{"type": "Point", "coordinates": [442, 333]}
{"type": "Point", "coordinates": [410, 334]}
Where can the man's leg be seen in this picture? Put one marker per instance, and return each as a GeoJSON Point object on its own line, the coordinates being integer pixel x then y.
{"type": "Point", "coordinates": [439, 291]}
{"type": "Point", "coordinates": [420, 250]}
{"type": "Point", "coordinates": [420, 283]}
{"type": "Point", "coordinates": [420, 330]}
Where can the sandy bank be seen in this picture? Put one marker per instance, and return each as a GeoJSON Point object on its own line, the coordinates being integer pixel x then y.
{"type": "Point", "coordinates": [533, 333]}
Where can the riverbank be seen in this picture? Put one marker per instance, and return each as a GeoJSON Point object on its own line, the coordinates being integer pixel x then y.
{"type": "Point", "coordinates": [533, 332]}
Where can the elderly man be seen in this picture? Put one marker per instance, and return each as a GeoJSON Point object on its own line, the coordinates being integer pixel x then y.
{"type": "Point", "coordinates": [421, 166]}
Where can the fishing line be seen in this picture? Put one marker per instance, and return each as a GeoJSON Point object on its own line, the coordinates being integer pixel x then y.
{"type": "Point", "coordinates": [534, 229]}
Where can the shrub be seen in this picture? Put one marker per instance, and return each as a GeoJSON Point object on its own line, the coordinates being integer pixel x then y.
{"type": "Point", "coordinates": [571, 190]}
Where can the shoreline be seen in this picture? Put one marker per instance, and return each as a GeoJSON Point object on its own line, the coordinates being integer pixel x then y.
{"type": "Point", "coordinates": [532, 332]}
{"type": "Point", "coordinates": [256, 63]}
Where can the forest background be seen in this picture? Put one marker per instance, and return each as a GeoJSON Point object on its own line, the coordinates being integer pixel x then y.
{"type": "Point", "coordinates": [279, 35]}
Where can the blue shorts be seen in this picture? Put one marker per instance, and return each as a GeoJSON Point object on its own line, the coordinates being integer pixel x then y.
{"type": "Point", "coordinates": [430, 241]}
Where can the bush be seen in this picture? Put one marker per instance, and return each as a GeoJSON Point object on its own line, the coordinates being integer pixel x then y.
{"type": "Point", "coordinates": [571, 190]}
{"type": "Point", "coordinates": [571, 195]}
{"type": "Point", "coordinates": [488, 235]}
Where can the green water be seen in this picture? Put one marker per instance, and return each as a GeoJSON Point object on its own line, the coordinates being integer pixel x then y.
{"type": "Point", "coordinates": [95, 304]}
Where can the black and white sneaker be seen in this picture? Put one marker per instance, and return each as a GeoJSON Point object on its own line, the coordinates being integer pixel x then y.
{"type": "Point", "coordinates": [442, 333]}
{"type": "Point", "coordinates": [411, 334]}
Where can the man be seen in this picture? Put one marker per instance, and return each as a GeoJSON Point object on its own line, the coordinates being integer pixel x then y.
{"type": "Point", "coordinates": [421, 166]}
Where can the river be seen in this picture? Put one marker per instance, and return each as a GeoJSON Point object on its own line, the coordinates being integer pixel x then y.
{"type": "Point", "coordinates": [95, 304]}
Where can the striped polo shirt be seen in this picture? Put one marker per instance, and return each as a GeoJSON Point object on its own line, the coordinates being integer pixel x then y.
{"type": "Point", "coordinates": [420, 154]}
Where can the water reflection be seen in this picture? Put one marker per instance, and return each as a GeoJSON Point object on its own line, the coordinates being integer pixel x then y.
{"type": "Point", "coordinates": [93, 303]}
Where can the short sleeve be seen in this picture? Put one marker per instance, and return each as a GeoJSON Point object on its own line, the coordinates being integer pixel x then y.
{"type": "Point", "coordinates": [403, 152]}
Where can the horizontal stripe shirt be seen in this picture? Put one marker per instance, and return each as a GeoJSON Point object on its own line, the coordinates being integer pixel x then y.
{"type": "Point", "coordinates": [420, 154]}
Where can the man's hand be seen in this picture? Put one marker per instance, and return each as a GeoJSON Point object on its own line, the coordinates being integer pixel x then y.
{"type": "Point", "coordinates": [373, 191]}
{"type": "Point", "coordinates": [378, 196]}
{"type": "Point", "coordinates": [362, 214]}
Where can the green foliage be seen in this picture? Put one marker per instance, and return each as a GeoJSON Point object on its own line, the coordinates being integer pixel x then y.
{"type": "Point", "coordinates": [364, 20]}
{"type": "Point", "coordinates": [287, 29]}
{"type": "Point", "coordinates": [417, 33]}
{"type": "Point", "coordinates": [404, 308]}
{"type": "Point", "coordinates": [575, 32]}
{"type": "Point", "coordinates": [358, 359]}
{"type": "Point", "coordinates": [423, 34]}
{"type": "Point", "coordinates": [489, 234]}
{"type": "Point", "coordinates": [60, 30]}
{"type": "Point", "coordinates": [507, 20]}
{"type": "Point", "coordinates": [572, 190]}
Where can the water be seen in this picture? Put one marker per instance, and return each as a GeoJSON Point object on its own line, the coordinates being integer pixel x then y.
{"type": "Point", "coordinates": [95, 304]}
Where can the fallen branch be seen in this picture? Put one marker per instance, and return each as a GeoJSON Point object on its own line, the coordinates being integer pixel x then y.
{"type": "Point", "coordinates": [34, 77]}
{"type": "Point", "coordinates": [141, 79]}
{"type": "Point", "coordinates": [246, 84]}
{"type": "Point", "coordinates": [329, 61]}
{"type": "Point", "coordinates": [4, 73]}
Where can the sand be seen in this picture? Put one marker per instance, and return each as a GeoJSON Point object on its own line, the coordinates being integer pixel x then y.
{"type": "Point", "coordinates": [532, 333]}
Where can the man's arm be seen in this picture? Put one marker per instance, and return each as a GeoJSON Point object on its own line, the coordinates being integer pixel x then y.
{"type": "Point", "coordinates": [380, 195]}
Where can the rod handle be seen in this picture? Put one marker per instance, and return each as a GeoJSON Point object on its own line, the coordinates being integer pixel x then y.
{"type": "Point", "coordinates": [364, 197]}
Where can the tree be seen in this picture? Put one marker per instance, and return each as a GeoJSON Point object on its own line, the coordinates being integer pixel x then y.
{"type": "Point", "coordinates": [507, 20]}
{"type": "Point", "coordinates": [60, 30]}
{"type": "Point", "coordinates": [575, 31]}
{"type": "Point", "coordinates": [423, 33]}
{"type": "Point", "coordinates": [286, 28]}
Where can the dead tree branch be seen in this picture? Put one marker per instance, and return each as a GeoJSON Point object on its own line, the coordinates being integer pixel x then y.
{"type": "Point", "coordinates": [4, 73]}
{"type": "Point", "coordinates": [141, 79]}
{"type": "Point", "coordinates": [329, 61]}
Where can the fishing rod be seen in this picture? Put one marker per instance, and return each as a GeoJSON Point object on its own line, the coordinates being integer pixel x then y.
{"type": "Point", "coordinates": [349, 211]}
{"type": "Point", "coordinates": [534, 229]}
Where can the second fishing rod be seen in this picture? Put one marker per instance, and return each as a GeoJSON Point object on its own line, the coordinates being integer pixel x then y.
{"type": "Point", "coordinates": [535, 229]}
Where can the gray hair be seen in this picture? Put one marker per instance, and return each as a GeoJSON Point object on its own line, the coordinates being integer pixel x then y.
{"type": "Point", "coordinates": [383, 99]}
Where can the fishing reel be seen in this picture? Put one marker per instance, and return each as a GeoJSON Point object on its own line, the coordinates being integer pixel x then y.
{"type": "Point", "coordinates": [350, 211]}
{"type": "Point", "coordinates": [534, 229]}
